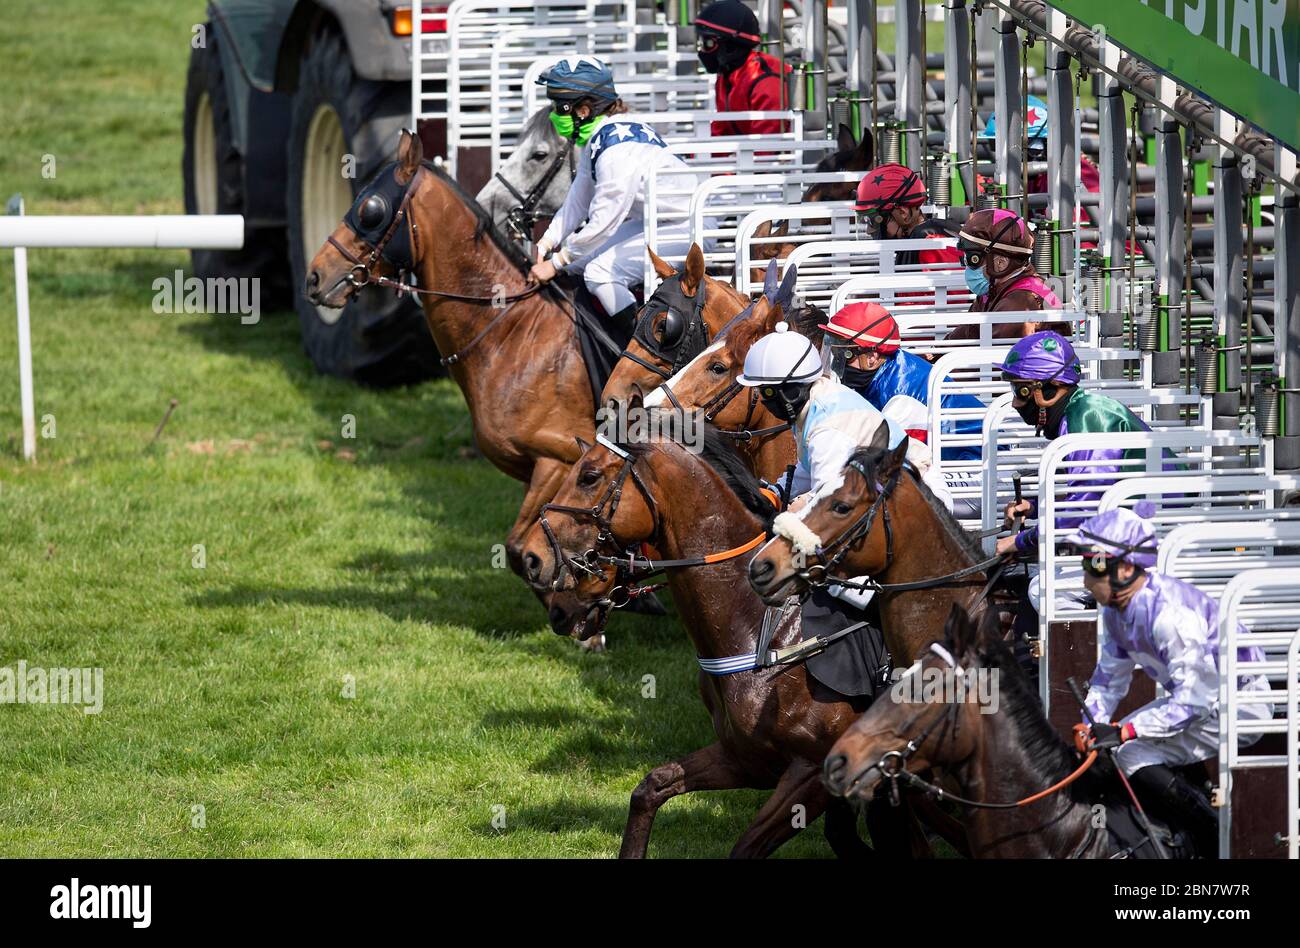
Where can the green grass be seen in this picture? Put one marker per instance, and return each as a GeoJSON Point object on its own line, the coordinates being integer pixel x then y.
{"type": "Point", "coordinates": [223, 684]}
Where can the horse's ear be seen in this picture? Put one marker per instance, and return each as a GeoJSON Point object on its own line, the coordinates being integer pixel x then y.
{"type": "Point", "coordinates": [896, 456]}
{"type": "Point", "coordinates": [769, 281]}
{"type": "Point", "coordinates": [693, 272]}
{"type": "Point", "coordinates": [409, 155]}
{"type": "Point", "coordinates": [583, 446]}
{"type": "Point", "coordinates": [959, 632]}
{"type": "Point", "coordinates": [866, 151]}
{"type": "Point", "coordinates": [990, 627]}
{"type": "Point", "coordinates": [844, 140]}
{"type": "Point", "coordinates": [662, 267]}
{"type": "Point", "coordinates": [880, 438]}
{"type": "Point", "coordinates": [781, 229]}
{"type": "Point", "coordinates": [786, 292]}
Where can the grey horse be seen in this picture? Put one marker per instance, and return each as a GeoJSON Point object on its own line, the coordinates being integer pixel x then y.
{"type": "Point", "coordinates": [540, 152]}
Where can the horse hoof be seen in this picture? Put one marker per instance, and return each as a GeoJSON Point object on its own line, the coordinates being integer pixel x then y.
{"type": "Point", "coordinates": [594, 644]}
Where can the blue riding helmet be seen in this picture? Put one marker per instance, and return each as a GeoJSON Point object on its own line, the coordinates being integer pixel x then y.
{"type": "Point", "coordinates": [578, 77]}
{"type": "Point", "coordinates": [1035, 122]}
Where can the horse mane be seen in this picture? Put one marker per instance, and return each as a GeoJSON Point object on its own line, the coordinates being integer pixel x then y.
{"type": "Point", "coordinates": [720, 454]}
{"type": "Point", "coordinates": [1042, 746]}
{"type": "Point", "coordinates": [871, 458]}
{"type": "Point", "coordinates": [513, 252]}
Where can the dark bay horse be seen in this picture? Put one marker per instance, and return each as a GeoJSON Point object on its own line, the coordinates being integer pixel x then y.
{"type": "Point", "coordinates": [998, 752]}
{"type": "Point", "coordinates": [683, 314]}
{"type": "Point", "coordinates": [774, 726]}
{"type": "Point", "coordinates": [513, 348]}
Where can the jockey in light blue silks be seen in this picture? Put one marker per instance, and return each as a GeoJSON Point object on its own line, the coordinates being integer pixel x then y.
{"type": "Point", "coordinates": [831, 422]}
{"type": "Point", "coordinates": [1171, 629]}
{"type": "Point", "coordinates": [600, 230]}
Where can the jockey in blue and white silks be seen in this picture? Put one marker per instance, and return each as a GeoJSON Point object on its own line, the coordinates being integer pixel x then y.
{"type": "Point", "coordinates": [831, 422]}
{"type": "Point", "coordinates": [1171, 630]}
{"type": "Point", "coordinates": [600, 229]}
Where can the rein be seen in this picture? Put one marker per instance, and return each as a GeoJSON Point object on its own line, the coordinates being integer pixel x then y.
{"type": "Point", "coordinates": [523, 217]}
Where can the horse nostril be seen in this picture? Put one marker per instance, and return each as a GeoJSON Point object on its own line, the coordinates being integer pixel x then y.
{"type": "Point", "coordinates": [532, 566]}
{"type": "Point", "coordinates": [313, 280]}
{"type": "Point", "coordinates": [833, 772]}
{"type": "Point", "coordinates": [760, 569]}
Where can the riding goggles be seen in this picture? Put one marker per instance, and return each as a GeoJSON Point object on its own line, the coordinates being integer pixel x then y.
{"type": "Point", "coordinates": [1023, 389]}
{"type": "Point", "coordinates": [972, 257]}
{"type": "Point", "coordinates": [770, 393]}
{"type": "Point", "coordinates": [705, 43]}
{"type": "Point", "coordinates": [1096, 565]}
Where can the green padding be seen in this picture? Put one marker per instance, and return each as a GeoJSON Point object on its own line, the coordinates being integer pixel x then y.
{"type": "Point", "coordinates": [1201, 177]}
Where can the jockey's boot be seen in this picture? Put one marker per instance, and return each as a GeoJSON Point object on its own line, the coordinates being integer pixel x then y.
{"type": "Point", "coordinates": [623, 323]}
{"type": "Point", "coordinates": [1166, 794]}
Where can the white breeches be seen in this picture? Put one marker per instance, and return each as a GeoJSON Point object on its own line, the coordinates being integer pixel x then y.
{"type": "Point", "coordinates": [616, 266]}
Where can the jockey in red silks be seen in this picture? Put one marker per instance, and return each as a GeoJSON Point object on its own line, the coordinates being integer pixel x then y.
{"type": "Point", "coordinates": [727, 41]}
{"type": "Point", "coordinates": [889, 201]}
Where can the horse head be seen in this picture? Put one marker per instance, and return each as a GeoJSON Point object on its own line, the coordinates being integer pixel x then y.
{"type": "Point", "coordinates": [602, 508]}
{"type": "Point", "coordinates": [844, 530]}
{"type": "Point", "coordinates": [687, 310]}
{"type": "Point", "coordinates": [932, 716]}
{"type": "Point", "coordinates": [532, 183]}
{"type": "Point", "coordinates": [374, 239]}
{"type": "Point", "coordinates": [850, 155]}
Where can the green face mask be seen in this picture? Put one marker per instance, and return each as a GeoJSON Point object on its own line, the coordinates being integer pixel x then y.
{"type": "Point", "coordinates": [563, 125]}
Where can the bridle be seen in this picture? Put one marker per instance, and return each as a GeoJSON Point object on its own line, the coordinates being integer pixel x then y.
{"type": "Point", "coordinates": [833, 553]}
{"type": "Point", "coordinates": [893, 764]}
{"type": "Point", "coordinates": [638, 568]}
{"type": "Point", "coordinates": [694, 334]}
{"type": "Point", "coordinates": [521, 218]}
{"type": "Point", "coordinates": [363, 271]}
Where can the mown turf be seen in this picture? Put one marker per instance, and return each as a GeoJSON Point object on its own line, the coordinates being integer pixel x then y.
{"type": "Point", "coordinates": [326, 557]}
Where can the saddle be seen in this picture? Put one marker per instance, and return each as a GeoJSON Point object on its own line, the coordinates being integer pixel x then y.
{"type": "Point", "coordinates": [855, 664]}
{"type": "Point", "coordinates": [601, 340]}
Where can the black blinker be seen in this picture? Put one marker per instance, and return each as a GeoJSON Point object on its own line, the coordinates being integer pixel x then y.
{"type": "Point", "coordinates": [373, 213]}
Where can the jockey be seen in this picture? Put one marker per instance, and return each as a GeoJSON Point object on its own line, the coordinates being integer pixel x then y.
{"type": "Point", "coordinates": [894, 380]}
{"type": "Point", "coordinates": [1043, 372]}
{"type": "Point", "coordinates": [726, 39]}
{"type": "Point", "coordinates": [1036, 132]}
{"type": "Point", "coordinates": [831, 422]}
{"type": "Point", "coordinates": [600, 229]}
{"type": "Point", "coordinates": [995, 247]}
{"type": "Point", "coordinates": [1171, 629]}
{"type": "Point", "coordinates": [889, 199]}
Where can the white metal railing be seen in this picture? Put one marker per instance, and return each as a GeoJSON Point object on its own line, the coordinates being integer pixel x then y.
{"type": "Point", "coordinates": [1258, 617]}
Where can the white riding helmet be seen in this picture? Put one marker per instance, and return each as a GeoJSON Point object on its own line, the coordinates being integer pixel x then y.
{"type": "Point", "coordinates": [779, 357]}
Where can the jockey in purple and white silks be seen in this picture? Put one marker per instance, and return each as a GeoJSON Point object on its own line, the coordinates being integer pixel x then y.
{"type": "Point", "coordinates": [831, 422]}
{"type": "Point", "coordinates": [1171, 630]}
{"type": "Point", "coordinates": [600, 229]}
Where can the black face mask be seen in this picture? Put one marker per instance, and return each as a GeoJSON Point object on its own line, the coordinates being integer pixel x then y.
{"type": "Point", "coordinates": [726, 59]}
{"type": "Point", "coordinates": [858, 379]}
{"type": "Point", "coordinates": [788, 401]}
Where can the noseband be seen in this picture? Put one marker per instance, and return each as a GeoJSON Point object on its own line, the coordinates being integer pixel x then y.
{"type": "Point", "coordinates": [834, 552]}
{"type": "Point", "coordinates": [521, 218]}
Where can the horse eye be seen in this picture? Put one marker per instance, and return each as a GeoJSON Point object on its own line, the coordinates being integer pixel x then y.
{"type": "Point", "coordinates": [537, 156]}
{"type": "Point", "coordinates": [717, 368]}
{"type": "Point", "coordinates": [841, 508]}
{"type": "Point", "coordinates": [589, 478]}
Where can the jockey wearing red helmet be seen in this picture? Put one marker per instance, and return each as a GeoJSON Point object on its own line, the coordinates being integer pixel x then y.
{"type": "Point", "coordinates": [889, 198]}
{"type": "Point", "coordinates": [895, 381]}
{"type": "Point", "coordinates": [727, 38]}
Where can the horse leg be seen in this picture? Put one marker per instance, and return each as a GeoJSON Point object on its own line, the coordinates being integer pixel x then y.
{"type": "Point", "coordinates": [709, 768]}
{"type": "Point", "coordinates": [893, 829]}
{"type": "Point", "coordinates": [841, 828]}
{"type": "Point", "coordinates": [800, 785]}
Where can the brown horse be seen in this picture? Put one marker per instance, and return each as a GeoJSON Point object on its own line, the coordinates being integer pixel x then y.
{"type": "Point", "coordinates": [513, 349]}
{"type": "Point", "coordinates": [882, 522]}
{"type": "Point", "coordinates": [998, 751]}
{"type": "Point", "coordinates": [708, 383]}
{"type": "Point", "coordinates": [675, 323]}
{"type": "Point", "coordinates": [774, 726]}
